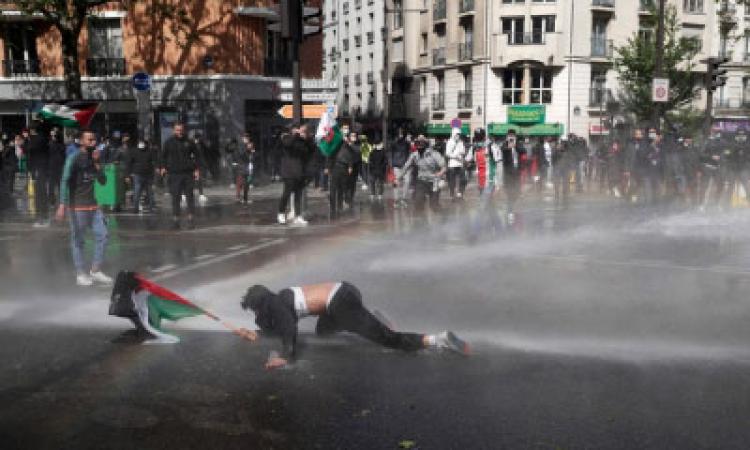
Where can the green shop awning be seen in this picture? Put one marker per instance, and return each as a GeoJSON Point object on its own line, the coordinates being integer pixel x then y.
{"type": "Point", "coordinates": [444, 129]}
{"type": "Point", "coordinates": [540, 129]}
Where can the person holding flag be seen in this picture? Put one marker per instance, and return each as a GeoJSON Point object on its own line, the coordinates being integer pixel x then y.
{"type": "Point", "coordinates": [338, 306]}
{"type": "Point", "coordinates": [339, 163]}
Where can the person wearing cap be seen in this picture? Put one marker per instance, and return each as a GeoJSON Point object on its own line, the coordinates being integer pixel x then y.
{"type": "Point", "coordinates": [338, 307]}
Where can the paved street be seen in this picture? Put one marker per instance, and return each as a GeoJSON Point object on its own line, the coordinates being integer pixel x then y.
{"type": "Point", "coordinates": [597, 326]}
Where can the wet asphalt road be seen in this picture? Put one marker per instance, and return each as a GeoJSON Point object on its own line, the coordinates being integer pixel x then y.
{"type": "Point", "coordinates": [592, 327]}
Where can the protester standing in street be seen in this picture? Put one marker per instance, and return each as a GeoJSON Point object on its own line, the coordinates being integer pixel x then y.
{"type": "Point", "coordinates": [38, 164]}
{"type": "Point", "coordinates": [455, 152]}
{"type": "Point", "coordinates": [140, 167]}
{"type": "Point", "coordinates": [293, 160]}
{"type": "Point", "coordinates": [82, 169]}
{"type": "Point", "coordinates": [10, 165]}
{"type": "Point", "coordinates": [365, 149]}
{"type": "Point", "coordinates": [339, 168]}
{"type": "Point", "coordinates": [56, 164]}
{"type": "Point", "coordinates": [244, 165]}
{"type": "Point", "coordinates": [397, 156]}
{"type": "Point", "coordinates": [356, 149]}
{"type": "Point", "coordinates": [430, 167]}
{"type": "Point", "coordinates": [181, 161]}
{"type": "Point", "coordinates": [377, 167]}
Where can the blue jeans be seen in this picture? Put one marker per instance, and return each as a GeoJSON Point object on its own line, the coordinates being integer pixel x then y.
{"type": "Point", "coordinates": [141, 183]}
{"type": "Point", "coordinates": [80, 221]}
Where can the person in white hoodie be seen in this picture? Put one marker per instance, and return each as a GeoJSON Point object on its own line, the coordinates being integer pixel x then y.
{"type": "Point", "coordinates": [455, 152]}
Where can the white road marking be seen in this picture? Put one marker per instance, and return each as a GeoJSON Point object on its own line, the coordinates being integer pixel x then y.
{"type": "Point", "coordinates": [8, 238]}
{"type": "Point", "coordinates": [202, 257]}
{"type": "Point", "coordinates": [164, 268]}
{"type": "Point", "coordinates": [218, 259]}
{"type": "Point", "coordinates": [240, 247]}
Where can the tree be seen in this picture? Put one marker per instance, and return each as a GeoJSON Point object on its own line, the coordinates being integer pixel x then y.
{"type": "Point", "coordinates": [68, 17]}
{"type": "Point", "coordinates": [635, 63]}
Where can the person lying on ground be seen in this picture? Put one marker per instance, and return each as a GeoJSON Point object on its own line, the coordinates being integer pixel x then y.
{"type": "Point", "coordinates": [338, 307]}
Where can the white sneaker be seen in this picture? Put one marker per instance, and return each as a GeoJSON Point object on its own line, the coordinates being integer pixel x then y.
{"type": "Point", "coordinates": [84, 280]}
{"type": "Point", "coordinates": [100, 277]}
{"type": "Point", "coordinates": [290, 216]}
{"type": "Point", "coordinates": [447, 340]}
{"type": "Point", "coordinates": [202, 199]}
{"type": "Point", "coordinates": [281, 218]}
{"type": "Point", "coordinates": [300, 221]}
{"type": "Point", "coordinates": [41, 224]}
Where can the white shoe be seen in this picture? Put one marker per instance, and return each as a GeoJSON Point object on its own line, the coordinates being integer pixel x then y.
{"type": "Point", "coordinates": [101, 278]}
{"type": "Point", "coordinates": [41, 224]}
{"type": "Point", "coordinates": [281, 218]}
{"type": "Point", "coordinates": [447, 340]}
{"type": "Point", "coordinates": [300, 221]}
{"type": "Point", "coordinates": [84, 280]}
{"type": "Point", "coordinates": [290, 216]}
{"type": "Point", "coordinates": [202, 199]}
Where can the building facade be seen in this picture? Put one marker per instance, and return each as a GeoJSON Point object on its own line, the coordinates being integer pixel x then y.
{"type": "Point", "coordinates": [221, 67]}
{"type": "Point", "coordinates": [354, 58]}
{"type": "Point", "coordinates": [542, 67]}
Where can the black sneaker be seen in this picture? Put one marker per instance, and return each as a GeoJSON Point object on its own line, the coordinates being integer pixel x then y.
{"type": "Point", "coordinates": [447, 340]}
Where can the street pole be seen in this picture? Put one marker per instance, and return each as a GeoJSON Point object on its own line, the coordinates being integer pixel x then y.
{"type": "Point", "coordinates": [570, 59]}
{"type": "Point", "coordinates": [296, 82]}
{"type": "Point", "coordinates": [386, 77]}
{"type": "Point", "coordinates": [488, 58]}
{"type": "Point", "coordinates": [658, 69]}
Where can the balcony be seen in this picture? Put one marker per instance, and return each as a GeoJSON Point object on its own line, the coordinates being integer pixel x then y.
{"type": "Point", "coordinates": [20, 68]}
{"type": "Point", "coordinates": [277, 68]}
{"type": "Point", "coordinates": [439, 11]}
{"type": "Point", "coordinates": [358, 80]}
{"type": "Point", "coordinates": [357, 4]}
{"type": "Point", "coordinates": [599, 97]}
{"type": "Point", "coordinates": [358, 41]}
{"type": "Point", "coordinates": [465, 51]}
{"type": "Point", "coordinates": [601, 48]}
{"type": "Point", "coordinates": [370, 77]}
{"type": "Point", "coordinates": [731, 104]}
{"type": "Point", "coordinates": [346, 81]}
{"type": "Point", "coordinates": [603, 6]}
{"type": "Point", "coordinates": [532, 38]}
{"type": "Point", "coordinates": [466, 7]}
{"type": "Point", "coordinates": [464, 99]}
{"type": "Point", "coordinates": [438, 56]}
{"type": "Point", "coordinates": [370, 38]}
{"type": "Point", "coordinates": [548, 49]}
{"type": "Point", "coordinates": [727, 12]}
{"type": "Point", "coordinates": [438, 102]}
{"type": "Point", "coordinates": [105, 67]}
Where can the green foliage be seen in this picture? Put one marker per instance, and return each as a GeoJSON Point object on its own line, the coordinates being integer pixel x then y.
{"type": "Point", "coordinates": [635, 65]}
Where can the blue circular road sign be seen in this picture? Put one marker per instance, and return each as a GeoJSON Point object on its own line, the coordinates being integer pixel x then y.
{"type": "Point", "coordinates": [142, 81]}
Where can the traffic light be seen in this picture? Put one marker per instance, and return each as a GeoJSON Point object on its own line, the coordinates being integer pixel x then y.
{"type": "Point", "coordinates": [716, 74]}
{"type": "Point", "coordinates": [298, 20]}
{"type": "Point", "coordinates": [291, 13]}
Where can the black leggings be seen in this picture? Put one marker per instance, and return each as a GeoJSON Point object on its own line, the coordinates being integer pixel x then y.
{"type": "Point", "coordinates": [346, 313]}
{"type": "Point", "coordinates": [292, 185]}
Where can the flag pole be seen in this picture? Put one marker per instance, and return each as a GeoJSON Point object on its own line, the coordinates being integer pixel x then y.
{"type": "Point", "coordinates": [239, 331]}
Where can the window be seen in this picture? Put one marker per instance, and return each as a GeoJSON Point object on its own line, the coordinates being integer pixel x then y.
{"type": "Point", "coordinates": [543, 24]}
{"type": "Point", "coordinates": [513, 27]}
{"type": "Point", "coordinates": [398, 50]}
{"type": "Point", "coordinates": [541, 86]}
{"type": "Point", "coordinates": [398, 14]}
{"type": "Point", "coordinates": [423, 87]}
{"type": "Point", "coordinates": [105, 38]}
{"type": "Point", "coordinates": [645, 33]}
{"type": "Point", "coordinates": [695, 34]}
{"type": "Point", "coordinates": [692, 6]}
{"type": "Point", "coordinates": [512, 86]}
{"type": "Point", "coordinates": [543, 1]}
{"type": "Point", "coordinates": [514, 1]}
{"type": "Point", "coordinates": [423, 45]}
{"type": "Point", "coordinates": [745, 91]}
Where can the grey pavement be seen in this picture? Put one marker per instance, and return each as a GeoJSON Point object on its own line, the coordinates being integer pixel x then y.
{"type": "Point", "coordinates": [597, 326]}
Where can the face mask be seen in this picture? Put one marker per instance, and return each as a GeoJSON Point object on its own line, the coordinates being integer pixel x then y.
{"type": "Point", "coordinates": [141, 145]}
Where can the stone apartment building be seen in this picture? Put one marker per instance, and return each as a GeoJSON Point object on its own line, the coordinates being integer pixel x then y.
{"type": "Point", "coordinates": [353, 43]}
{"type": "Point", "coordinates": [542, 67]}
{"type": "Point", "coordinates": [222, 70]}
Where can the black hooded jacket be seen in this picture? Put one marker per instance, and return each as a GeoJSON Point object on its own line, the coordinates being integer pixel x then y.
{"type": "Point", "coordinates": [274, 315]}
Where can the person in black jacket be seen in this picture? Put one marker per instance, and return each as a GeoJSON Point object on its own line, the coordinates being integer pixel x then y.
{"type": "Point", "coordinates": [9, 163]}
{"type": "Point", "coordinates": [181, 160]}
{"type": "Point", "coordinates": [38, 153]}
{"type": "Point", "coordinates": [56, 163]}
{"type": "Point", "coordinates": [340, 166]}
{"type": "Point", "coordinates": [245, 164]}
{"type": "Point", "coordinates": [140, 166]}
{"type": "Point", "coordinates": [293, 161]}
{"type": "Point", "coordinates": [378, 166]}
{"type": "Point", "coordinates": [338, 307]}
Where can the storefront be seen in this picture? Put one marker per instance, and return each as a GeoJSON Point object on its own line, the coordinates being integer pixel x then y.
{"type": "Point", "coordinates": [526, 120]}
{"type": "Point", "coordinates": [444, 129]}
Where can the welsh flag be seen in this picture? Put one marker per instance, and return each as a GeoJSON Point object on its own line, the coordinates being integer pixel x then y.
{"type": "Point", "coordinates": [72, 114]}
{"type": "Point", "coordinates": [328, 136]}
{"type": "Point", "coordinates": [147, 304]}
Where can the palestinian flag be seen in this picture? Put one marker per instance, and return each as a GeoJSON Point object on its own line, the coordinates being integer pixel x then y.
{"type": "Point", "coordinates": [73, 114]}
{"type": "Point", "coordinates": [147, 304]}
{"type": "Point", "coordinates": [328, 136]}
